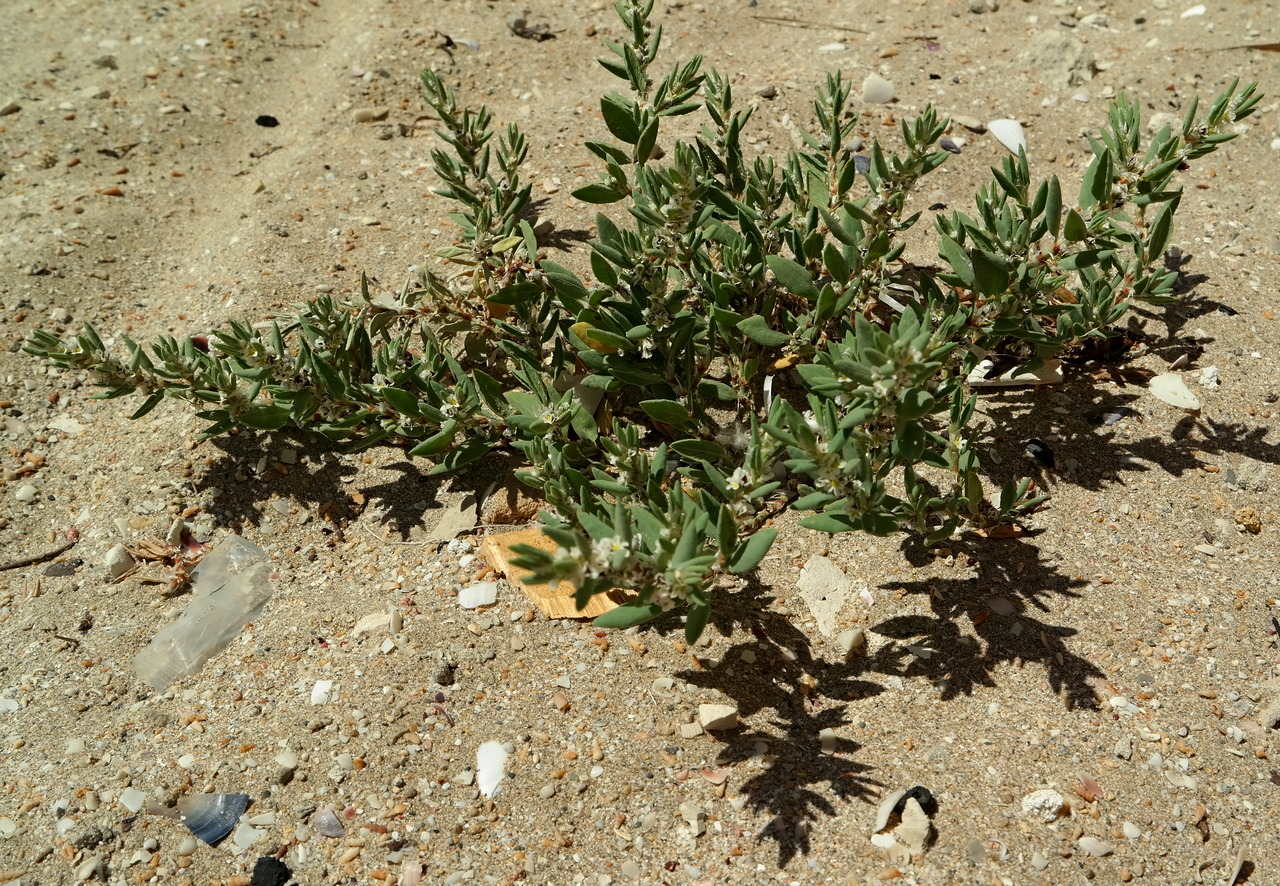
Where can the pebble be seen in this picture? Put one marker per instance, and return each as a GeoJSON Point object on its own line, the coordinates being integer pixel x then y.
{"type": "Point", "coordinates": [714, 717]}
{"type": "Point", "coordinates": [852, 643]}
{"type": "Point", "coordinates": [118, 561]}
{"type": "Point", "coordinates": [547, 791]}
{"type": "Point", "coordinates": [1131, 830]}
{"type": "Point", "coordinates": [973, 124]}
{"type": "Point", "coordinates": [186, 847]}
{"type": "Point", "coordinates": [132, 799]}
{"type": "Point", "coordinates": [26, 493]}
{"type": "Point", "coordinates": [369, 115]}
{"type": "Point", "coordinates": [89, 868]}
{"type": "Point", "coordinates": [1045, 804]}
{"type": "Point", "coordinates": [1124, 748]}
{"type": "Point", "coordinates": [1095, 847]}
{"type": "Point", "coordinates": [322, 692]}
{"type": "Point", "coordinates": [690, 730]}
{"type": "Point", "coordinates": [483, 593]}
{"type": "Point", "coordinates": [695, 817]}
{"type": "Point", "coordinates": [876, 90]}
{"type": "Point", "coordinates": [245, 835]}
{"type": "Point", "coordinates": [327, 824]}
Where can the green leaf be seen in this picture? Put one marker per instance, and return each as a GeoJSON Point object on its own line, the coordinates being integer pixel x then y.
{"type": "Point", "coordinates": [699, 450]}
{"type": "Point", "coordinates": [147, 405]}
{"type": "Point", "coordinates": [667, 411]}
{"type": "Point", "coordinates": [438, 442]}
{"type": "Point", "coordinates": [828, 523]}
{"type": "Point", "coordinates": [598, 194]}
{"type": "Point", "coordinates": [954, 254]}
{"type": "Point", "coordinates": [794, 277]}
{"type": "Point", "coordinates": [1075, 229]}
{"type": "Point", "coordinates": [752, 551]}
{"type": "Point", "coordinates": [628, 616]}
{"type": "Point", "coordinates": [1053, 207]}
{"type": "Point", "coordinates": [264, 416]}
{"type": "Point", "coordinates": [696, 622]}
{"type": "Point", "coordinates": [401, 401]}
{"type": "Point", "coordinates": [515, 294]}
{"type": "Point", "coordinates": [620, 116]}
{"type": "Point", "coordinates": [756, 329]}
{"type": "Point", "coordinates": [989, 272]}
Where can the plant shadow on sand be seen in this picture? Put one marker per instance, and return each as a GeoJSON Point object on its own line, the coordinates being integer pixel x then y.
{"type": "Point", "coordinates": [321, 484]}
{"type": "Point", "coordinates": [804, 777]}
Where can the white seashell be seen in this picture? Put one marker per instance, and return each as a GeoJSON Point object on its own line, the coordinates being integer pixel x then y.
{"type": "Point", "coordinates": [491, 767]}
{"type": "Point", "coordinates": [1009, 133]}
{"type": "Point", "coordinates": [1170, 388]}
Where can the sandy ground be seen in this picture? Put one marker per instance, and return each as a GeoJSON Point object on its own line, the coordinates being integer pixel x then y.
{"type": "Point", "coordinates": [1125, 641]}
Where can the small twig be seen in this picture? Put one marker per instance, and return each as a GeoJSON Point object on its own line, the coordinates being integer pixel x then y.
{"type": "Point", "coordinates": [804, 23]}
{"type": "Point", "coordinates": [386, 541]}
{"type": "Point", "coordinates": [72, 642]}
{"type": "Point", "coordinates": [39, 558]}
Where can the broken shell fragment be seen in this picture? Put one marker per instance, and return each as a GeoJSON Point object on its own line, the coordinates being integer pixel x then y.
{"type": "Point", "coordinates": [212, 816]}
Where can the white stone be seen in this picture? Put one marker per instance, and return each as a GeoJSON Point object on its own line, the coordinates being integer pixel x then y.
{"type": "Point", "coordinates": [876, 90]}
{"type": "Point", "coordinates": [1009, 133]}
{"type": "Point", "coordinates": [1095, 847]}
{"type": "Point", "coordinates": [852, 643]}
{"type": "Point", "coordinates": [26, 493]}
{"type": "Point", "coordinates": [824, 589]}
{"type": "Point", "coordinates": [1131, 830]}
{"type": "Point", "coordinates": [484, 593]}
{"type": "Point", "coordinates": [491, 767]}
{"type": "Point", "coordinates": [713, 717]}
{"type": "Point", "coordinates": [245, 835]}
{"type": "Point", "coordinates": [1198, 9]}
{"type": "Point", "coordinates": [1044, 804]}
{"type": "Point", "coordinates": [373, 623]}
{"type": "Point", "coordinates": [118, 561]}
{"type": "Point", "coordinates": [322, 692]}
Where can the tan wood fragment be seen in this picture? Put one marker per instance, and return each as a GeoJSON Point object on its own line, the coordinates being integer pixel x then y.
{"type": "Point", "coordinates": [554, 601]}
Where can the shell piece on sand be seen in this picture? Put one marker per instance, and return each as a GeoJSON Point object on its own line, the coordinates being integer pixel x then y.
{"type": "Point", "coordinates": [1009, 133]}
{"type": "Point", "coordinates": [491, 767]}
{"type": "Point", "coordinates": [1170, 388]}
{"type": "Point", "coordinates": [212, 816]}
{"type": "Point", "coordinates": [914, 830]}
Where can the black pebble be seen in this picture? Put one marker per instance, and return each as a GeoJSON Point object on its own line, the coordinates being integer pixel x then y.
{"type": "Point", "coordinates": [62, 568]}
{"type": "Point", "coordinates": [1040, 451]}
{"type": "Point", "coordinates": [267, 120]}
{"type": "Point", "coordinates": [270, 871]}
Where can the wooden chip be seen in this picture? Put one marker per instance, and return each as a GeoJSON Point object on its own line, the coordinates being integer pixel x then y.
{"type": "Point", "coordinates": [554, 601]}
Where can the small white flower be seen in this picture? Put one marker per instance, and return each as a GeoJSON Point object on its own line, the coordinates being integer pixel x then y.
{"type": "Point", "coordinates": [737, 480]}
